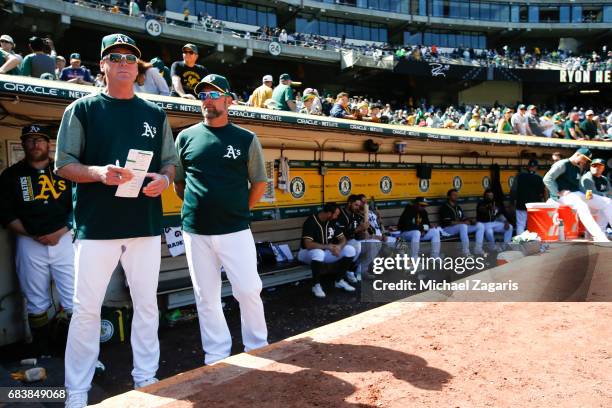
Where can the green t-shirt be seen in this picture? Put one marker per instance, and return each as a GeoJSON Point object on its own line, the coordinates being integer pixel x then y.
{"type": "Point", "coordinates": [282, 94]}
{"type": "Point", "coordinates": [589, 128]}
{"type": "Point", "coordinates": [598, 185]}
{"type": "Point", "coordinates": [4, 56]}
{"type": "Point", "coordinates": [98, 130]}
{"type": "Point", "coordinates": [569, 124]}
{"type": "Point", "coordinates": [217, 164]}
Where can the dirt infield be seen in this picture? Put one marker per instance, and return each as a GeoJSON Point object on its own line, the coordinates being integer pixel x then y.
{"type": "Point", "coordinates": [416, 355]}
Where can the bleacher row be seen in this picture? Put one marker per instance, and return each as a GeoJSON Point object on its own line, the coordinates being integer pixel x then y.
{"type": "Point", "coordinates": [174, 275]}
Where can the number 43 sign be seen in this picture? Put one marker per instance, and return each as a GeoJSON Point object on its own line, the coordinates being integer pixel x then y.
{"type": "Point", "coordinates": [153, 27]}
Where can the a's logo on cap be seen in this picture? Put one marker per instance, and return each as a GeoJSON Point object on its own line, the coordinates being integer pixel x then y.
{"type": "Point", "coordinates": [122, 39]}
{"type": "Point", "coordinates": [34, 129]}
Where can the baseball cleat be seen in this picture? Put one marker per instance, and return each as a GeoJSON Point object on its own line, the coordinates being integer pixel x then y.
{"type": "Point", "coordinates": [341, 284]}
{"type": "Point", "coordinates": [318, 291]}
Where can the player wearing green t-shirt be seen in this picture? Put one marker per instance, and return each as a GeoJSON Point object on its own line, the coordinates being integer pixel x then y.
{"type": "Point", "coordinates": [95, 136]}
{"type": "Point", "coordinates": [218, 160]}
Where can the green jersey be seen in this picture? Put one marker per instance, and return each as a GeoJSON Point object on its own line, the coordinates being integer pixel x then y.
{"type": "Point", "coordinates": [598, 185]}
{"type": "Point", "coordinates": [563, 175]}
{"type": "Point", "coordinates": [282, 94]}
{"type": "Point", "coordinates": [98, 130]}
{"type": "Point", "coordinates": [217, 163]}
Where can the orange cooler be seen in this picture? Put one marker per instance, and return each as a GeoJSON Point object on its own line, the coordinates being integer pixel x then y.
{"type": "Point", "coordinates": [571, 223]}
{"type": "Point", "coordinates": [543, 219]}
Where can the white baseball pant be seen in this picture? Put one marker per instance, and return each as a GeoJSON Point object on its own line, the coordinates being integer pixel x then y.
{"type": "Point", "coordinates": [308, 255]}
{"type": "Point", "coordinates": [578, 201]}
{"type": "Point", "coordinates": [37, 264]}
{"type": "Point", "coordinates": [497, 226]}
{"type": "Point", "coordinates": [236, 253]}
{"type": "Point", "coordinates": [415, 238]}
{"type": "Point", "coordinates": [463, 230]}
{"type": "Point", "coordinates": [95, 261]}
{"type": "Point", "coordinates": [369, 249]}
{"type": "Point", "coordinates": [601, 207]}
{"type": "Point", "coordinates": [521, 221]}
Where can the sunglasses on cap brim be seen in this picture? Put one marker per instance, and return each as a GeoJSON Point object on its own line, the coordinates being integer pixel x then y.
{"type": "Point", "coordinates": [116, 58]}
{"type": "Point", "coordinates": [212, 95]}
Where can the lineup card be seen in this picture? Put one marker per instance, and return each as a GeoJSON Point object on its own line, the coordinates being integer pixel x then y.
{"type": "Point", "coordinates": [137, 162]}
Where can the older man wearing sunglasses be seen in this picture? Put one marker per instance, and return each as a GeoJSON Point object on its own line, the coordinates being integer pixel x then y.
{"type": "Point", "coordinates": [96, 134]}
{"type": "Point", "coordinates": [218, 160]}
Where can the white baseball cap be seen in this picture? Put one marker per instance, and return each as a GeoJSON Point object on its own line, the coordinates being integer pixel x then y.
{"type": "Point", "coordinates": [7, 38]}
{"type": "Point", "coordinates": [589, 112]}
{"type": "Point", "coordinates": [267, 78]}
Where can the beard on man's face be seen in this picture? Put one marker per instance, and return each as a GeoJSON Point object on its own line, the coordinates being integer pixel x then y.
{"type": "Point", "coordinates": [211, 112]}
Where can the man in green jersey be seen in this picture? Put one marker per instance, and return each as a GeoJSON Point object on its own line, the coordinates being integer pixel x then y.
{"type": "Point", "coordinates": [563, 184]}
{"type": "Point", "coordinates": [218, 160]}
{"type": "Point", "coordinates": [96, 135]}
{"type": "Point", "coordinates": [599, 199]}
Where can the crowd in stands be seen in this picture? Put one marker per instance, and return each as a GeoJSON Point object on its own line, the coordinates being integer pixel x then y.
{"type": "Point", "coordinates": [179, 80]}
{"type": "Point", "coordinates": [522, 57]}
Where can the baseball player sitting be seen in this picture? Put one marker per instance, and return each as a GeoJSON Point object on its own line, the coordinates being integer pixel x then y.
{"type": "Point", "coordinates": [415, 227]}
{"type": "Point", "coordinates": [353, 225]}
{"type": "Point", "coordinates": [491, 215]}
{"type": "Point", "coordinates": [454, 222]}
{"type": "Point", "coordinates": [318, 233]}
{"type": "Point", "coordinates": [36, 207]}
{"type": "Point", "coordinates": [563, 184]}
{"type": "Point", "coordinates": [598, 199]}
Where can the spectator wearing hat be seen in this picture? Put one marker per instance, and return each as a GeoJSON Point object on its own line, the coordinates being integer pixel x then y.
{"type": "Point", "coordinates": [38, 62]}
{"type": "Point", "coordinates": [475, 124]}
{"type": "Point", "coordinates": [528, 187]}
{"type": "Point", "coordinates": [414, 227]}
{"type": "Point", "coordinates": [7, 44]}
{"type": "Point", "coordinates": [600, 196]}
{"type": "Point", "coordinates": [548, 124]}
{"type": "Point", "coordinates": [307, 102]}
{"type": "Point", "coordinates": [572, 129]}
{"type": "Point", "coordinates": [317, 106]}
{"type": "Point", "coordinates": [60, 64]}
{"type": "Point", "coordinates": [163, 70]}
{"type": "Point", "coordinates": [563, 184]}
{"type": "Point", "coordinates": [520, 122]}
{"type": "Point", "coordinates": [262, 93]}
{"type": "Point", "coordinates": [534, 122]}
{"type": "Point", "coordinates": [186, 74]}
{"type": "Point", "coordinates": [283, 94]}
{"type": "Point", "coordinates": [75, 73]}
{"type": "Point", "coordinates": [589, 126]}
{"type": "Point", "coordinates": [504, 126]}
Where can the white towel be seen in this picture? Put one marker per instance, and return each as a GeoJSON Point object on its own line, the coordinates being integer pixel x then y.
{"type": "Point", "coordinates": [283, 174]}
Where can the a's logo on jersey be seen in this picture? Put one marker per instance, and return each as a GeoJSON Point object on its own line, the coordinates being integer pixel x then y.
{"type": "Point", "coordinates": [386, 184]}
{"type": "Point", "coordinates": [345, 185]}
{"type": "Point", "coordinates": [47, 188]}
{"type": "Point", "coordinates": [486, 182]}
{"type": "Point", "coordinates": [457, 183]}
{"type": "Point", "coordinates": [424, 185]}
{"type": "Point", "coordinates": [232, 153]}
{"type": "Point", "coordinates": [330, 233]}
{"type": "Point", "coordinates": [297, 187]}
{"type": "Point", "coordinates": [510, 181]}
{"type": "Point", "coordinates": [149, 131]}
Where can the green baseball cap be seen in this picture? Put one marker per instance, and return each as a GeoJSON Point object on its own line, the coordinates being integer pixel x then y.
{"type": "Point", "coordinates": [285, 77]}
{"type": "Point", "coordinates": [307, 97]}
{"type": "Point", "coordinates": [598, 161]}
{"type": "Point", "coordinates": [75, 56]}
{"type": "Point", "coordinates": [157, 63]}
{"type": "Point", "coordinates": [118, 40]}
{"type": "Point", "coordinates": [217, 81]}
{"type": "Point", "coordinates": [191, 47]}
{"type": "Point", "coordinates": [585, 152]}
{"type": "Point", "coordinates": [35, 130]}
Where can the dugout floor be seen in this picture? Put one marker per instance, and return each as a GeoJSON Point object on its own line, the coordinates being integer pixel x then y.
{"type": "Point", "coordinates": [427, 354]}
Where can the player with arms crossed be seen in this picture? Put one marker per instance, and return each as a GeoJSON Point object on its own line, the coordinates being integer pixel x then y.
{"type": "Point", "coordinates": [98, 131]}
